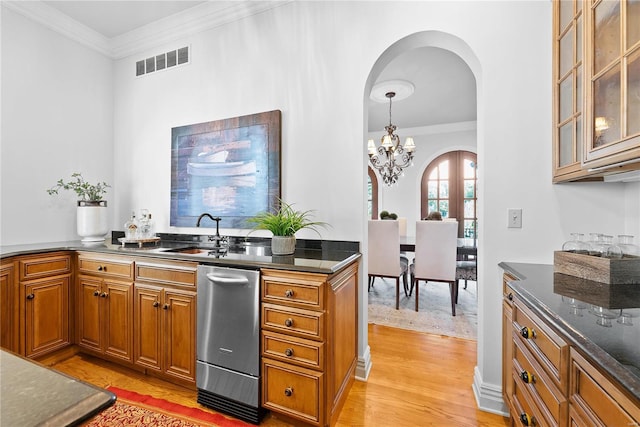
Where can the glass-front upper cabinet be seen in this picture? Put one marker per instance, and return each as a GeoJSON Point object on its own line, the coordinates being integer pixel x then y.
{"type": "Point", "coordinates": [612, 90]}
{"type": "Point", "coordinates": [568, 139]}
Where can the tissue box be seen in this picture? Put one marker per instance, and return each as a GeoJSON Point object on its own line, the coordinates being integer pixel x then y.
{"type": "Point", "coordinates": [605, 270]}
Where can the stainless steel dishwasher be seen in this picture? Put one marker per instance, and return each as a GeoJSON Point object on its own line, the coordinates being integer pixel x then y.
{"type": "Point", "coordinates": [228, 343]}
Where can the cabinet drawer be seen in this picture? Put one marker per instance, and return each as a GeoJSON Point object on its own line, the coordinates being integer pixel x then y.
{"type": "Point", "coordinates": [167, 273]}
{"type": "Point", "coordinates": [532, 377]}
{"type": "Point", "coordinates": [292, 390]}
{"type": "Point", "coordinates": [596, 399]}
{"type": "Point", "coordinates": [525, 407]}
{"type": "Point", "coordinates": [304, 291]}
{"type": "Point", "coordinates": [507, 293]}
{"type": "Point", "coordinates": [550, 351]}
{"type": "Point", "coordinates": [108, 267]}
{"type": "Point", "coordinates": [44, 266]}
{"type": "Point", "coordinates": [302, 352]}
{"type": "Point", "coordinates": [302, 323]}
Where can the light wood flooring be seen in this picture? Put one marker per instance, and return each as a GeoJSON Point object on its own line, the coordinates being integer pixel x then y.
{"type": "Point", "coordinates": [417, 379]}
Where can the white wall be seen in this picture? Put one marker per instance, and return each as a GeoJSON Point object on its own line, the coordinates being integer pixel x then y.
{"type": "Point", "coordinates": [313, 61]}
{"type": "Point", "coordinates": [57, 119]}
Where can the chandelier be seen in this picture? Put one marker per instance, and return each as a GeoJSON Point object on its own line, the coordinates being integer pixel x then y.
{"type": "Point", "coordinates": [391, 158]}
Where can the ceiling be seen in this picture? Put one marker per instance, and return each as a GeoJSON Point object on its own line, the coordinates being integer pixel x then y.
{"type": "Point", "coordinates": [445, 88]}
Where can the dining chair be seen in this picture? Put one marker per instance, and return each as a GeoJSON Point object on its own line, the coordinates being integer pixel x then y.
{"type": "Point", "coordinates": [435, 257]}
{"type": "Point", "coordinates": [384, 255]}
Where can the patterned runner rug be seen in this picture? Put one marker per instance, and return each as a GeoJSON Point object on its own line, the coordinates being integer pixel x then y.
{"type": "Point", "coordinates": [133, 409]}
{"type": "Point", "coordinates": [435, 308]}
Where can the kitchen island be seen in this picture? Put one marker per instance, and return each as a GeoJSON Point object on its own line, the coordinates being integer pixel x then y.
{"type": "Point", "coordinates": [571, 348]}
{"type": "Point", "coordinates": [34, 395]}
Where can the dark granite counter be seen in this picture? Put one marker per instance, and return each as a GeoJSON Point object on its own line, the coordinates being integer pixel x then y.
{"type": "Point", "coordinates": [34, 395]}
{"type": "Point", "coordinates": [312, 256]}
{"type": "Point", "coordinates": [602, 321]}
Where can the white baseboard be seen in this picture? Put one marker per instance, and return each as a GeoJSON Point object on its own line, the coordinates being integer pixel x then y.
{"type": "Point", "coordinates": [488, 396]}
{"type": "Point", "coordinates": [363, 368]}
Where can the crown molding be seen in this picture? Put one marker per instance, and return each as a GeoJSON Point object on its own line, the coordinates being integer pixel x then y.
{"type": "Point", "coordinates": [57, 21]}
{"type": "Point", "coordinates": [199, 18]}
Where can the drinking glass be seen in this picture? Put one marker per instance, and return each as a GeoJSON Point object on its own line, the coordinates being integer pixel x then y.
{"type": "Point", "coordinates": [576, 244]}
{"type": "Point", "coordinates": [604, 315]}
{"type": "Point", "coordinates": [625, 242]}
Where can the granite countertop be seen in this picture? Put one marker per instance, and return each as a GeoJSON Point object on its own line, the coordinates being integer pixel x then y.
{"type": "Point", "coordinates": [312, 256]}
{"type": "Point", "coordinates": [602, 321]}
{"type": "Point", "coordinates": [34, 395]}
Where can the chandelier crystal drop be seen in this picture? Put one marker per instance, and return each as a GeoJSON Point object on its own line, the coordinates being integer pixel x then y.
{"type": "Point", "coordinates": [391, 158]}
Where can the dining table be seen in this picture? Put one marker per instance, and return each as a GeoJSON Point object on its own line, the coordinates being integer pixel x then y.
{"type": "Point", "coordinates": [408, 244]}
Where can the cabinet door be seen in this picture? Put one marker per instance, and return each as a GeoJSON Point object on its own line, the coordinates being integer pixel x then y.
{"type": "Point", "coordinates": [89, 316]}
{"type": "Point", "coordinates": [9, 309]}
{"type": "Point", "coordinates": [148, 326]}
{"type": "Point", "coordinates": [117, 305]}
{"type": "Point", "coordinates": [179, 309]}
{"type": "Point", "coordinates": [46, 315]}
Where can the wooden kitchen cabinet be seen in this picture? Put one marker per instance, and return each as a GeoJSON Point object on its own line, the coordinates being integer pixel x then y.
{"type": "Point", "coordinates": [309, 340]}
{"type": "Point", "coordinates": [104, 306]}
{"type": "Point", "coordinates": [507, 339]}
{"type": "Point", "coordinates": [597, 401]}
{"type": "Point", "coordinates": [43, 303]}
{"type": "Point", "coordinates": [596, 87]}
{"type": "Point", "coordinates": [550, 382]}
{"type": "Point", "coordinates": [9, 314]}
{"type": "Point", "coordinates": [165, 319]}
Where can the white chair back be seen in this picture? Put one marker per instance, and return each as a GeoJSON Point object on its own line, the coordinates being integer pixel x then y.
{"type": "Point", "coordinates": [436, 250]}
{"type": "Point", "coordinates": [384, 248]}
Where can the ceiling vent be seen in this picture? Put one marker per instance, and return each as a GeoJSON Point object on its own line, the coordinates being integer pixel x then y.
{"type": "Point", "coordinates": [163, 61]}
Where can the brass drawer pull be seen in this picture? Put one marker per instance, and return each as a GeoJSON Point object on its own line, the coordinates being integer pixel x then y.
{"type": "Point", "coordinates": [31, 296]}
{"type": "Point", "coordinates": [288, 391]}
{"type": "Point", "coordinates": [288, 293]}
{"type": "Point", "coordinates": [510, 296]}
{"type": "Point", "coordinates": [527, 332]}
{"type": "Point", "coordinates": [102, 268]}
{"type": "Point", "coordinates": [288, 323]}
{"type": "Point", "coordinates": [156, 303]}
{"type": "Point", "coordinates": [96, 293]}
{"type": "Point", "coordinates": [288, 352]}
{"type": "Point", "coordinates": [104, 295]}
{"type": "Point", "coordinates": [527, 377]}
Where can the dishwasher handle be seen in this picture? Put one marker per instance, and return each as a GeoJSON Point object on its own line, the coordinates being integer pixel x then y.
{"type": "Point", "coordinates": [226, 280]}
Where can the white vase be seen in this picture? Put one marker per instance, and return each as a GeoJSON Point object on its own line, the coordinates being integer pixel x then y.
{"type": "Point", "coordinates": [92, 223]}
{"type": "Point", "coordinates": [283, 245]}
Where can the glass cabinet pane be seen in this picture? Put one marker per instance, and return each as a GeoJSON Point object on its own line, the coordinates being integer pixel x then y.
{"type": "Point", "coordinates": [566, 13]}
{"type": "Point", "coordinates": [579, 39]}
{"type": "Point", "coordinates": [578, 89]}
{"type": "Point", "coordinates": [579, 138]}
{"type": "Point", "coordinates": [566, 145]}
{"type": "Point", "coordinates": [566, 52]}
{"type": "Point", "coordinates": [607, 34]}
{"type": "Point", "coordinates": [633, 22]}
{"type": "Point", "coordinates": [633, 93]}
{"type": "Point", "coordinates": [606, 98]}
{"type": "Point", "coordinates": [566, 98]}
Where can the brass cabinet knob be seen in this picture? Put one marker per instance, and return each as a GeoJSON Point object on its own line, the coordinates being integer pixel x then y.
{"type": "Point", "coordinates": [288, 352]}
{"type": "Point", "coordinates": [289, 322]}
{"type": "Point", "coordinates": [510, 296]}
{"type": "Point", "coordinates": [104, 295]}
{"type": "Point", "coordinates": [288, 293]}
{"type": "Point", "coordinates": [527, 420]}
{"type": "Point", "coordinates": [96, 293]}
{"type": "Point", "coordinates": [288, 391]}
{"type": "Point", "coordinates": [165, 307]}
{"type": "Point", "coordinates": [102, 268]}
{"type": "Point", "coordinates": [527, 332]}
{"type": "Point", "coordinates": [527, 377]}
{"type": "Point", "coordinates": [156, 303]}
{"type": "Point", "coordinates": [31, 296]}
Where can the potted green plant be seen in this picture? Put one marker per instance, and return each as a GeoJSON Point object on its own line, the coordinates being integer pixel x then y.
{"type": "Point", "coordinates": [284, 223]}
{"type": "Point", "coordinates": [92, 224]}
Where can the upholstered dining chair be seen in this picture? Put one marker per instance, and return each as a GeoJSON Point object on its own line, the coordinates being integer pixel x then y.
{"type": "Point", "coordinates": [384, 255]}
{"type": "Point", "coordinates": [435, 257]}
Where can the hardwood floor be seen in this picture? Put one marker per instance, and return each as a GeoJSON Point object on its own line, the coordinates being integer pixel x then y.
{"type": "Point", "coordinates": [416, 379]}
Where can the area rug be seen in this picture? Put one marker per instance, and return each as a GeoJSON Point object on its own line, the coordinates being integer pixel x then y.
{"type": "Point", "coordinates": [133, 409]}
{"type": "Point", "coordinates": [435, 308]}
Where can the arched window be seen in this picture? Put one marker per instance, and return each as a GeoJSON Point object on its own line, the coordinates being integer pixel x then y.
{"type": "Point", "coordinates": [449, 185]}
{"type": "Point", "coordinates": [372, 193]}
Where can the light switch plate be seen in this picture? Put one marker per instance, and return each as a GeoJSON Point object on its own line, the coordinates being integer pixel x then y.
{"type": "Point", "coordinates": [514, 218]}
